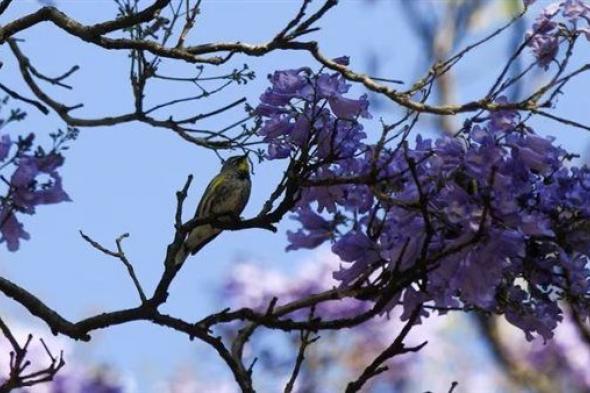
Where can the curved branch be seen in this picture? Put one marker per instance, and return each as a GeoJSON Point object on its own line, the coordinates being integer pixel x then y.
{"type": "Point", "coordinates": [397, 347]}
{"type": "Point", "coordinates": [52, 14]}
{"type": "Point", "coordinates": [56, 322]}
{"type": "Point", "coordinates": [95, 34]}
{"type": "Point", "coordinates": [42, 108]}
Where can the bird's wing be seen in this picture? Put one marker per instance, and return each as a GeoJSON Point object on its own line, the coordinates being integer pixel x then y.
{"type": "Point", "coordinates": [245, 197]}
{"type": "Point", "coordinates": [210, 193]}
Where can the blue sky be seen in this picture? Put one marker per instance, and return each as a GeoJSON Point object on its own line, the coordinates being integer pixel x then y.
{"type": "Point", "coordinates": [123, 179]}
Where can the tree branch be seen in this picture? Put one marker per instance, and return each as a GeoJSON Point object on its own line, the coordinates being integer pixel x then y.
{"type": "Point", "coordinates": [4, 5]}
{"type": "Point", "coordinates": [17, 377]}
{"type": "Point", "coordinates": [119, 254]}
{"type": "Point", "coordinates": [17, 96]}
{"type": "Point", "coordinates": [305, 341]}
{"type": "Point", "coordinates": [396, 348]}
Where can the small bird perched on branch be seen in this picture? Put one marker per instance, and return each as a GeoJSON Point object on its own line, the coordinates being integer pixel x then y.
{"type": "Point", "coordinates": [225, 197]}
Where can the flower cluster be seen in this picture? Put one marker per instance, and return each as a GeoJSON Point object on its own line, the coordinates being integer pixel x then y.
{"type": "Point", "coordinates": [491, 219]}
{"type": "Point", "coordinates": [548, 32]}
{"type": "Point", "coordinates": [308, 113]}
{"type": "Point", "coordinates": [31, 179]}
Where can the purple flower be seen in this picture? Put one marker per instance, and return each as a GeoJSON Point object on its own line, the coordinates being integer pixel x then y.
{"type": "Point", "coordinates": [480, 161]}
{"type": "Point", "coordinates": [576, 9]}
{"type": "Point", "coordinates": [354, 246]}
{"type": "Point", "coordinates": [12, 230]}
{"type": "Point", "coordinates": [286, 85]}
{"type": "Point", "coordinates": [411, 301]}
{"type": "Point", "coordinates": [543, 39]}
{"type": "Point", "coordinates": [304, 126]}
{"type": "Point", "coordinates": [402, 240]}
{"type": "Point", "coordinates": [501, 121]}
{"type": "Point", "coordinates": [536, 152]}
{"type": "Point", "coordinates": [5, 144]}
{"type": "Point", "coordinates": [275, 126]}
{"type": "Point", "coordinates": [345, 108]}
{"type": "Point", "coordinates": [535, 316]}
{"type": "Point", "coordinates": [330, 85]}
{"type": "Point", "coordinates": [277, 150]}
{"type": "Point", "coordinates": [342, 60]}
{"type": "Point", "coordinates": [327, 197]}
{"type": "Point", "coordinates": [34, 182]}
{"type": "Point", "coordinates": [357, 198]}
{"type": "Point", "coordinates": [536, 225]}
{"type": "Point", "coordinates": [28, 193]}
{"type": "Point", "coordinates": [544, 35]}
{"type": "Point", "coordinates": [578, 273]}
{"type": "Point", "coordinates": [269, 110]}
{"type": "Point", "coordinates": [302, 110]}
{"type": "Point", "coordinates": [545, 49]}
{"type": "Point", "coordinates": [343, 141]}
{"type": "Point", "coordinates": [316, 230]}
{"type": "Point", "coordinates": [459, 207]}
{"type": "Point", "coordinates": [357, 248]}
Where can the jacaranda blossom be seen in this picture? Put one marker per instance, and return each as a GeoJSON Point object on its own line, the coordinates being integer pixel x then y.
{"type": "Point", "coordinates": [32, 180]}
{"type": "Point", "coordinates": [491, 219]}
{"type": "Point", "coordinates": [545, 37]}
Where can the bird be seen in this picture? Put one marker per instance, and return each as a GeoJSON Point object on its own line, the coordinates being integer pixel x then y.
{"type": "Point", "coordinates": [225, 197]}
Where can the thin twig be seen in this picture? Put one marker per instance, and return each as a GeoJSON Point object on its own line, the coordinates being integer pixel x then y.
{"type": "Point", "coordinates": [396, 348]}
{"type": "Point", "coordinates": [17, 96]}
{"type": "Point", "coordinates": [305, 341]}
{"type": "Point", "coordinates": [55, 80]}
{"type": "Point", "coordinates": [119, 254]}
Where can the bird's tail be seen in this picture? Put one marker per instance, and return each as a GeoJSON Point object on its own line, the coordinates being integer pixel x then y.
{"type": "Point", "coordinates": [196, 240]}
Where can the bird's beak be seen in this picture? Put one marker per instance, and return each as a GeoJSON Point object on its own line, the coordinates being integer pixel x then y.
{"type": "Point", "coordinates": [244, 163]}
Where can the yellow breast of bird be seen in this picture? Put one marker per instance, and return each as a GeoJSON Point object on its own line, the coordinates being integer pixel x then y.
{"type": "Point", "coordinates": [232, 199]}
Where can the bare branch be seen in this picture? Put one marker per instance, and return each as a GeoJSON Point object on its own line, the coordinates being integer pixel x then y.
{"type": "Point", "coordinates": [190, 22]}
{"type": "Point", "coordinates": [95, 34]}
{"type": "Point", "coordinates": [73, 27]}
{"type": "Point", "coordinates": [4, 5]}
{"type": "Point", "coordinates": [562, 120]}
{"type": "Point", "coordinates": [305, 341]}
{"type": "Point", "coordinates": [396, 348]}
{"type": "Point", "coordinates": [55, 80]}
{"type": "Point", "coordinates": [8, 334]}
{"type": "Point", "coordinates": [29, 101]}
{"type": "Point", "coordinates": [18, 364]}
{"type": "Point", "coordinates": [119, 254]}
